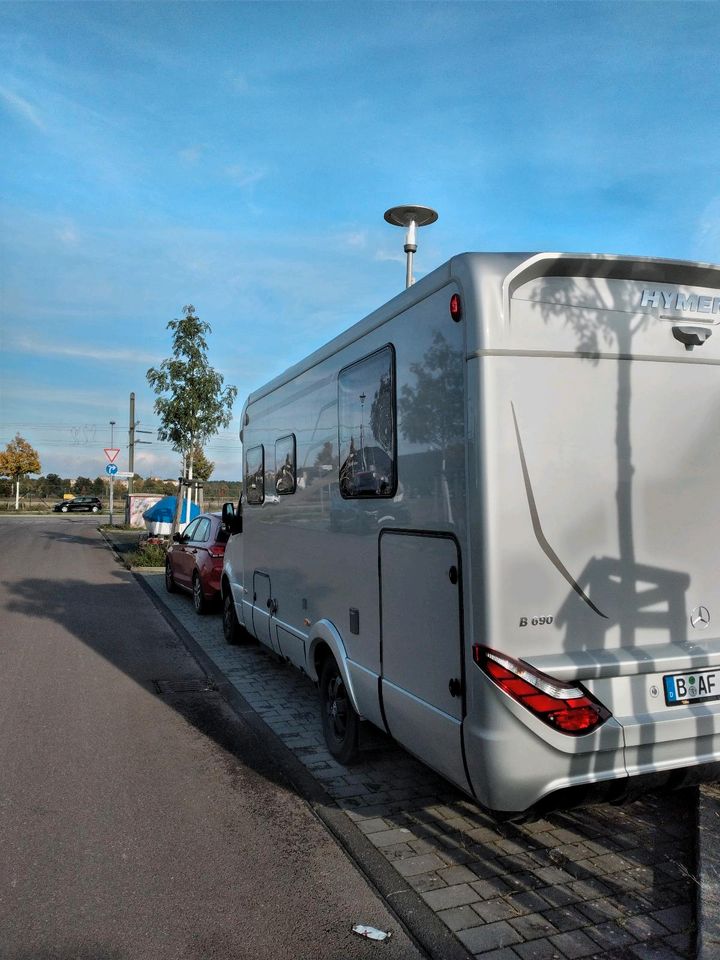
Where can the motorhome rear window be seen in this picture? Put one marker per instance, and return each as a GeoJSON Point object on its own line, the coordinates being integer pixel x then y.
{"type": "Point", "coordinates": [255, 475]}
{"type": "Point", "coordinates": [285, 465]}
{"type": "Point", "coordinates": [366, 414]}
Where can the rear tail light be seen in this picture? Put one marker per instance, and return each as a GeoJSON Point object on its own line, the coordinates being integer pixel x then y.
{"type": "Point", "coordinates": [562, 706]}
{"type": "Point", "coordinates": [217, 550]}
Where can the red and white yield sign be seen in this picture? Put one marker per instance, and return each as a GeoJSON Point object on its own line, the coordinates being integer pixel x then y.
{"type": "Point", "coordinates": [111, 453]}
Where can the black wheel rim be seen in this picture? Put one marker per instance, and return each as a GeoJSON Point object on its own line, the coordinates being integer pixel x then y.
{"type": "Point", "coordinates": [337, 708]}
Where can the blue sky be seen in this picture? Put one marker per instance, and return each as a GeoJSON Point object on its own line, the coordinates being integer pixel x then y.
{"type": "Point", "coordinates": [239, 156]}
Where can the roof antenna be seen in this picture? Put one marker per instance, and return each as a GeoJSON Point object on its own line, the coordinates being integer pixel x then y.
{"type": "Point", "coordinates": [411, 217]}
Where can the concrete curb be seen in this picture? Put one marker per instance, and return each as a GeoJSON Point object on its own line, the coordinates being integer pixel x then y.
{"type": "Point", "coordinates": [708, 870]}
{"type": "Point", "coordinates": [420, 923]}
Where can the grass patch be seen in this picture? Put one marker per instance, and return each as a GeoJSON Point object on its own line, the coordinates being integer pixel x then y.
{"type": "Point", "coordinates": [147, 555]}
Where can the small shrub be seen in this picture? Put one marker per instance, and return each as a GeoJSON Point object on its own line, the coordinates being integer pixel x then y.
{"type": "Point", "coordinates": [148, 555]}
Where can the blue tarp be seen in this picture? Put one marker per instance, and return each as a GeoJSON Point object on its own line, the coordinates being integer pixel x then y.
{"type": "Point", "coordinates": [164, 510]}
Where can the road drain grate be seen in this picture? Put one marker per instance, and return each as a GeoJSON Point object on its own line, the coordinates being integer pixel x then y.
{"type": "Point", "coordinates": [199, 685]}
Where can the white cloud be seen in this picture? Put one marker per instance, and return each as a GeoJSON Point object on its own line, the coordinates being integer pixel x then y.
{"type": "Point", "coordinates": [709, 231]}
{"type": "Point", "coordinates": [384, 256]}
{"type": "Point", "coordinates": [22, 108]}
{"type": "Point", "coordinates": [68, 235]}
{"type": "Point", "coordinates": [80, 351]}
{"type": "Point", "coordinates": [244, 176]}
{"type": "Point", "coordinates": [239, 84]}
{"type": "Point", "coordinates": [191, 155]}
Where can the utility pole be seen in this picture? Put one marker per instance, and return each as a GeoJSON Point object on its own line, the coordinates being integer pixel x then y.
{"type": "Point", "coordinates": [132, 430]}
{"type": "Point", "coordinates": [131, 444]}
{"type": "Point", "coordinates": [112, 445]}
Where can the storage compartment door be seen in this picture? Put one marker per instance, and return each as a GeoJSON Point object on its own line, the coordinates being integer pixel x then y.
{"type": "Point", "coordinates": [262, 610]}
{"type": "Point", "coordinates": [421, 643]}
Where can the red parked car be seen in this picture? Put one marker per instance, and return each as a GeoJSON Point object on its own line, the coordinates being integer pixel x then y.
{"type": "Point", "coordinates": [194, 561]}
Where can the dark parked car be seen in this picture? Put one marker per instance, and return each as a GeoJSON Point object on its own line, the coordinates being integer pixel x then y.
{"type": "Point", "coordinates": [91, 504]}
{"type": "Point", "coordinates": [194, 561]}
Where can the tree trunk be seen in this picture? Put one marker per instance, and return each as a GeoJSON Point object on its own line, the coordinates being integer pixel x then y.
{"type": "Point", "coordinates": [17, 493]}
{"type": "Point", "coordinates": [189, 488]}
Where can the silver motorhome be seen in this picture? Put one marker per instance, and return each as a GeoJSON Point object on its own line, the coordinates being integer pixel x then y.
{"type": "Point", "coordinates": [486, 519]}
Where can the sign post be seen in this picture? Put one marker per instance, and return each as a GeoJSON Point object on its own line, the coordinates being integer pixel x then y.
{"type": "Point", "coordinates": [111, 469]}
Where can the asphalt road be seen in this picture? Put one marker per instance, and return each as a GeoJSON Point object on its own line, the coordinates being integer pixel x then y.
{"type": "Point", "coordinates": [139, 816]}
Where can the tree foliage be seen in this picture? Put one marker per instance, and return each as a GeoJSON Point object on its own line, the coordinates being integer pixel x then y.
{"type": "Point", "coordinates": [191, 401]}
{"type": "Point", "coordinates": [18, 459]}
{"type": "Point", "coordinates": [202, 467]}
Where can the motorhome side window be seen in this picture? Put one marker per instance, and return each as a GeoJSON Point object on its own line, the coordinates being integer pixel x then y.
{"type": "Point", "coordinates": [285, 465]}
{"type": "Point", "coordinates": [366, 414]}
{"type": "Point", "coordinates": [255, 475]}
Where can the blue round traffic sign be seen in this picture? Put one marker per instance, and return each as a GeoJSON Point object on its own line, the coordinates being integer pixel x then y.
{"type": "Point", "coordinates": [111, 469]}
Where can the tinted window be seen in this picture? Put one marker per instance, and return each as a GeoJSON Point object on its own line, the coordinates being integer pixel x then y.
{"type": "Point", "coordinates": [189, 532]}
{"type": "Point", "coordinates": [202, 532]}
{"type": "Point", "coordinates": [285, 465]}
{"type": "Point", "coordinates": [255, 475]}
{"type": "Point", "coordinates": [366, 411]}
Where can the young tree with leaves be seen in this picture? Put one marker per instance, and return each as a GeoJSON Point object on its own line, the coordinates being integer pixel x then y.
{"type": "Point", "coordinates": [16, 461]}
{"type": "Point", "coordinates": [191, 401]}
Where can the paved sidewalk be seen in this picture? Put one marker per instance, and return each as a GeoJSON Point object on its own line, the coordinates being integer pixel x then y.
{"type": "Point", "coordinates": [605, 882]}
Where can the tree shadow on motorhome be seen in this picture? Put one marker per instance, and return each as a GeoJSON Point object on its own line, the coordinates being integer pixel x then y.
{"type": "Point", "coordinates": [621, 609]}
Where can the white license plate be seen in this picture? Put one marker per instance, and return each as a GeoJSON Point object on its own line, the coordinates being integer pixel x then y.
{"type": "Point", "coordinates": [692, 687]}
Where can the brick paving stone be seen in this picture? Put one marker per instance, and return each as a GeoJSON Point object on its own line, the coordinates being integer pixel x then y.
{"type": "Point", "coordinates": [574, 944]}
{"type": "Point", "coordinates": [491, 910]}
{"type": "Point", "coordinates": [644, 927]}
{"type": "Point", "coordinates": [652, 951]}
{"type": "Point", "coordinates": [536, 950]}
{"type": "Point", "coordinates": [456, 874]}
{"type": "Point", "coordinates": [491, 888]}
{"type": "Point", "coordinates": [383, 838]}
{"type": "Point", "coordinates": [460, 918]}
{"type": "Point", "coordinates": [533, 926]}
{"type": "Point", "coordinates": [610, 935]}
{"type": "Point", "coordinates": [600, 910]}
{"type": "Point", "coordinates": [565, 918]}
{"type": "Point", "coordinates": [426, 881]}
{"type": "Point", "coordinates": [675, 919]}
{"type": "Point", "coordinates": [682, 942]}
{"type": "Point", "coordinates": [398, 851]}
{"type": "Point", "coordinates": [553, 875]}
{"type": "Point", "coordinates": [455, 896]}
{"type": "Point", "coordinates": [527, 902]}
{"type": "Point", "coordinates": [559, 896]}
{"type": "Point", "coordinates": [588, 889]}
{"type": "Point", "coordinates": [488, 937]}
{"type": "Point", "coordinates": [524, 881]}
{"type": "Point", "coordinates": [373, 826]}
{"type": "Point", "coordinates": [425, 863]}
{"type": "Point", "coordinates": [504, 953]}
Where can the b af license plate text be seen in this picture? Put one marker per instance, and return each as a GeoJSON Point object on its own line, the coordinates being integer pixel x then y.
{"type": "Point", "coordinates": [696, 687]}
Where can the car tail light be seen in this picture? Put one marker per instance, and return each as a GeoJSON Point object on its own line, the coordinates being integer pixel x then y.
{"type": "Point", "coordinates": [217, 550]}
{"type": "Point", "coordinates": [563, 706]}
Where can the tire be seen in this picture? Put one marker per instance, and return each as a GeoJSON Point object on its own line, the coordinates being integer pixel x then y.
{"type": "Point", "coordinates": [232, 631]}
{"type": "Point", "coordinates": [169, 578]}
{"type": "Point", "coordinates": [63, 509]}
{"type": "Point", "coordinates": [340, 722]}
{"type": "Point", "coordinates": [199, 601]}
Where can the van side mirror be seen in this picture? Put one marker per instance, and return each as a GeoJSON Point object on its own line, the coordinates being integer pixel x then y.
{"type": "Point", "coordinates": [231, 518]}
